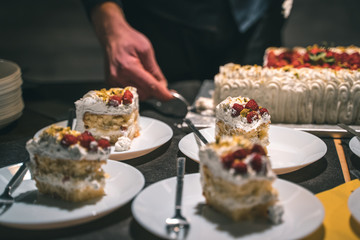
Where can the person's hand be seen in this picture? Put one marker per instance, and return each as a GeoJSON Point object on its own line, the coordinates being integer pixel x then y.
{"type": "Point", "coordinates": [129, 55]}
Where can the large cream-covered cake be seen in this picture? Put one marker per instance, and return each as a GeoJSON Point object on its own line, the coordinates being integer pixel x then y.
{"type": "Point", "coordinates": [300, 85]}
{"type": "Point", "coordinates": [242, 116]}
{"type": "Point", "coordinates": [237, 179]}
{"type": "Point", "coordinates": [110, 112]}
{"type": "Point", "coordinates": [67, 164]}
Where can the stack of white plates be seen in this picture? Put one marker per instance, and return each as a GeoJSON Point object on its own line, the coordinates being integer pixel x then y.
{"type": "Point", "coordinates": [11, 102]}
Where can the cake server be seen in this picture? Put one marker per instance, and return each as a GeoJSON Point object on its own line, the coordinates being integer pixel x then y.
{"type": "Point", "coordinates": [181, 98]}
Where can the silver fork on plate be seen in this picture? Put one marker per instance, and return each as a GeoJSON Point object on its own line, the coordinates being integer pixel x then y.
{"type": "Point", "coordinates": [6, 200]}
{"type": "Point", "coordinates": [195, 130]}
{"type": "Point", "coordinates": [178, 227]}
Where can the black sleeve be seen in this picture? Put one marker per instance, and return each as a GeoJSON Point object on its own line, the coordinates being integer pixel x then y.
{"type": "Point", "coordinates": [90, 4]}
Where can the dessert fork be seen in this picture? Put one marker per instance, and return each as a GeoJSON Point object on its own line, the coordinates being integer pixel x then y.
{"type": "Point", "coordinates": [177, 227]}
{"type": "Point", "coordinates": [196, 131]}
{"type": "Point", "coordinates": [6, 200]}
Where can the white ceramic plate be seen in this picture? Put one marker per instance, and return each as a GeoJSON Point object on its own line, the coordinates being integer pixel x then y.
{"type": "Point", "coordinates": [32, 210]}
{"type": "Point", "coordinates": [353, 204]}
{"type": "Point", "coordinates": [8, 71]}
{"type": "Point", "coordinates": [303, 212]}
{"type": "Point", "coordinates": [355, 146]}
{"type": "Point", "coordinates": [153, 134]}
{"type": "Point", "coordinates": [289, 149]}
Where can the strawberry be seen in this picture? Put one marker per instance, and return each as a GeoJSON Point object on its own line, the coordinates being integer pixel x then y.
{"type": "Point", "coordinates": [236, 109]}
{"type": "Point", "coordinates": [252, 116]}
{"type": "Point", "coordinates": [115, 100]}
{"type": "Point", "coordinates": [227, 160]}
{"type": "Point", "coordinates": [329, 54]}
{"type": "Point", "coordinates": [127, 97]}
{"type": "Point", "coordinates": [240, 154]}
{"type": "Point", "coordinates": [239, 166]}
{"type": "Point", "coordinates": [68, 140]}
{"type": "Point", "coordinates": [258, 149]}
{"type": "Point", "coordinates": [295, 63]}
{"type": "Point", "coordinates": [85, 139]}
{"type": "Point", "coordinates": [263, 110]}
{"type": "Point", "coordinates": [306, 57]}
{"type": "Point", "coordinates": [103, 143]}
{"type": "Point", "coordinates": [252, 105]}
{"type": "Point", "coordinates": [256, 163]}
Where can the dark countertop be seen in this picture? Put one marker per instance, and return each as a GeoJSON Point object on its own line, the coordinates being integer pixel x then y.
{"type": "Point", "coordinates": [49, 103]}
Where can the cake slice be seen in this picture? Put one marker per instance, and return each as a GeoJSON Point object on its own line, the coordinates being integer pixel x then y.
{"type": "Point", "coordinates": [236, 179]}
{"type": "Point", "coordinates": [242, 116]}
{"type": "Point", "coordinates": [110, 112]}
{"type": "Point", "coordinates": [67, 164]}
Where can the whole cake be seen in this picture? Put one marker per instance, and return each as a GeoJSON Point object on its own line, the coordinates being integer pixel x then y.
{"type": "Point", "coordinates": [313, 57]}
{"type": "Point", "coordinates": [110, 112]}
{"type": "Point", "coordinates": [242, 116]}
{"type": "Point", "coordinates": [237, 179]}
{"type": "Point", "coordinates": [301, 85]}
{"type": "Point", "coordinates": [67, 164]}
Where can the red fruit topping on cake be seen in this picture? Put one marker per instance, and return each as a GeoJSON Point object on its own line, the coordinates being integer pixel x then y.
{"type": "Point", "coordinates": [227, 160]}
{"type": "Point", "coordinates": [258, 149]}
{"type": "Point", "coordinates": [315, 56]}
{"type": "Point", "coordinates": [115, 100]}
{"type": "Point", "coordinates": [236, 109]}
{"type": "Point", "coordinates": [127, 97]}
{"type": "Point", "coordinates": [85, 139]}
{"type": "Point", "coordinates": [103, 143]}
{"type": "Point", "coordinates": [68, 140]}
{"type": "Point", "coordinates": [316, 50]}
{"type": "Point", "coordinates": [239, 166]}
{"type": "Point", "coordinates": [263, 110]}
{"type": "Point", "coordinates": [256, 162]}
{"type": "Point", "coordinates": [330, 54]}
{"type": "Point", "coordinates": [252, 116]}
{"type": "Point", "coordinates": [252, 105]}
{"type": "Point", "coordinates": [240, 154]}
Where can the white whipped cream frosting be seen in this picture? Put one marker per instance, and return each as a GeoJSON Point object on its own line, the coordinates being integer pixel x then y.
{"type": "Point", "coordinates": [294, 95]}
{"type": "Point", "coordinates": [224, 109]}
{"type": "Point", "coordinates": [123, 144]}
{"type": "Point", "coordinates": [205, 106]}
{"type": "Point", "coordinates": [47, 145]}
{"type": "Point", "coordinates": [71, 184]}
{"type": "Point", "coordinates": [92, 103]}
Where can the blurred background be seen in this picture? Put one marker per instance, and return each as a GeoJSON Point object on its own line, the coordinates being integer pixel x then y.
{"type": "Point", "coordinates": [53, 41]}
